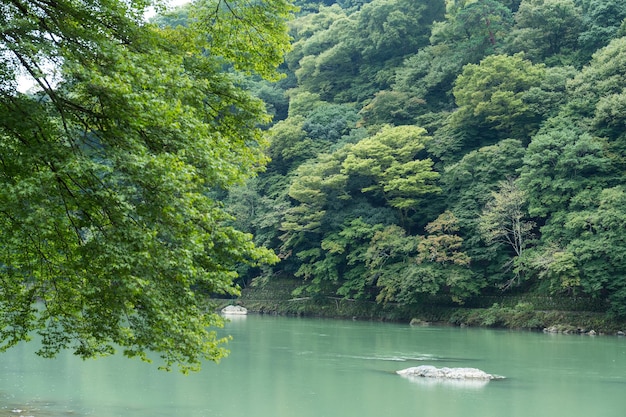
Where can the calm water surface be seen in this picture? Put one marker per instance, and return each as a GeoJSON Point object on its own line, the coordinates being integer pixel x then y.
{"type": "Point", "coordinates": [288, 367]}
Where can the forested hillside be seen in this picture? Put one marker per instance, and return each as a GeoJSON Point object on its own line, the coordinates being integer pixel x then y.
{"type": "Point", "coordinates": [456, 148]}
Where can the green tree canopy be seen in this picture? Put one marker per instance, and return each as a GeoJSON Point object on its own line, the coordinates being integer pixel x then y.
{"type": "Point", "coordinates": [408, 267]}
{"type": "Point", "coordinates": [493, 92]}
{"type": "Point", "coordinates": [389, 165]}
{"type": "Point", "coordinates": [479, 26]}
{"type": "Point", "coordinates": [547, 28]}
{"type": "Point", "coordinates": [109, 235]}
{"type": "Point", "coordinates": [603, 20]}
{"type": "Point", "coordinates": [353, 57]}
{"type": "Point", "coordinates": [471, 30]}
{"type": "Point", "coordinates": [468, 185]}
{"type": "Point", "coordinates": [504, 222]}
{"type": "Point", "coordinates": [599, 248]}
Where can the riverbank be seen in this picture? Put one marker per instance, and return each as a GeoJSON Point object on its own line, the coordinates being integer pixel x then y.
{"type": "Point", "coordinates": [508, 312]}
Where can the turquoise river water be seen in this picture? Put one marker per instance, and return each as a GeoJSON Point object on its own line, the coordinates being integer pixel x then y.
{"type": "Point", "coordinates": [292, 367]}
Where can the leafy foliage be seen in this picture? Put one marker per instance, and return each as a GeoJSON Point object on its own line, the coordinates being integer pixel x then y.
{"type": "Point", "coordinates": [493, 92]}
{"type": "Point", "coordinates": [351, 58]}
{"type": "Point", "coordinates": [548, 30]}
{"type": "Point", "coordinates": [388, 167]}
{"type": "Point", "coordinates": [489, 155]}
{"type": "Point", "coordinates": [110, 235]}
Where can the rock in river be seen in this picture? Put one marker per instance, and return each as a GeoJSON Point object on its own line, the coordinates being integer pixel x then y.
{"type": "Point", "coordinates": [428, 371]}
{"type": "Point", "coordinates": [236, 310]}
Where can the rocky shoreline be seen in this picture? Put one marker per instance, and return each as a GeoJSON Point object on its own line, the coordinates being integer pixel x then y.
{"type": "Point", "coordinates": [276, 298]}
{"type": "Point", "coordinates": [569, 330]}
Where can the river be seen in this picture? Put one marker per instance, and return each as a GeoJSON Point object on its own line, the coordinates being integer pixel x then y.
{"type": "Point", "coordinates": [295, 367]}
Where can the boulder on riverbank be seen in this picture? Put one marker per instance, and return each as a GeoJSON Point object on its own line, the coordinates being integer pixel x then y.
{"type": "Point", "coordinates": [565, 329]}
{"type": "Point", "coordinates": [235, 310]}
{"type": "Point", "coordinates": [429, 371]}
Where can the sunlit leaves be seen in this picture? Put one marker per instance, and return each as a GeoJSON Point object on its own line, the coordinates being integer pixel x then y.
{"type": "Point", "coordinates": [557, 266]}
{"type": "Point", "coordinates": [252, 36]}
{"type": "Point", "coordinates": [389, 162]}
{"type": "Point", "coordinates": [493, 91]}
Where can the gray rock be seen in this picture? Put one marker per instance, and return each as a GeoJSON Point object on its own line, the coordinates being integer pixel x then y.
{"type": "Point", "coordinates": [234, 310]}
{"type": "Point", "coordinates": [429, 371]}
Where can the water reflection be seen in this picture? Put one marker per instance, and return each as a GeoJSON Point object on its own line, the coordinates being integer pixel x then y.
{"type": "Point", "coordinates": [447, 383]}
{"type": "Point", "coordinates": [234, 317]}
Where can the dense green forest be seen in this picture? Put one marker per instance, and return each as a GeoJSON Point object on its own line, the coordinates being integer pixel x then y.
{"type": "Point", "coordinates": [449, 148]}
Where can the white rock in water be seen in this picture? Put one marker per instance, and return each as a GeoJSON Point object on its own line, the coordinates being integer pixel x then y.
{"type": "Point", "coordinates": [429, 371]}
{"type": "Point", "coordinates": [239, 310]}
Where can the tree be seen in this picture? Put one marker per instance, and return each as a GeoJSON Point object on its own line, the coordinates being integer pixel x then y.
{"type": "Point", "coordinates": [328, 230]}
{"type": "Point", "coordinates": [492, 92]}
{"type": "Point", "coordinates": [110, 237]}
{"type": "Point", "coordinates": [391, 107]}
{"type": "Point", "coordinates": [602, 20]}
{"type": "Point", "coordinates": [467, 186]}
{"type": "Point", "coordinates": [561, 162]}
{"type": "Point", "coordinates": [443, 247]}
{"type": "Point", "coordinates": [503, 221]}
{"type": "Point", "coordinates": [557, 266]}
{"type": "Point", "coordinates": [354, 56]}
{"type": "Point", "coordinates": [471, 31]}
{"type": "Point", "coordinates": [308, 132]}
{"type": "Point", "coordinates": [389, 257]}
{"type": "Point", "coordinates": [347, 249]}
{"type": "Point", "coordinates": [598, 98]}
{"type": "Point", "coordinates": [290, 146]}
{"type": "Point", "coordinates": [389, 166]}
{"type": "Point", "coordinates": [599, 248]}
{"type": "Point", "coordinates": [429, 75]}
{"type": "Point", "coordinates": [408, 267]}
{"type": "Point", "coordinates": [316, 187]}
{"type": "Point", "coordinates": [547, 28]}
{"type": "Point", "coordinates": [480, 26]}
{"type": "Point", "coordinates": [330, 122]}
{"type": "Point", "coordinates": [390, 28]}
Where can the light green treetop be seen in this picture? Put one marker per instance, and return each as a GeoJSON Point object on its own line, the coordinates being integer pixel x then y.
{"type": "Point", "coordinates": [390, 161]}
{"type": "Point", "coordinates": [493, 91]}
